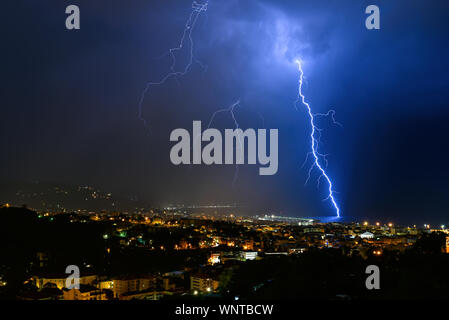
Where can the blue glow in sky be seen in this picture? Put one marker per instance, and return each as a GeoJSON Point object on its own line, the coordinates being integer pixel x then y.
{"type": "Point", "coordinates": [70, 101]}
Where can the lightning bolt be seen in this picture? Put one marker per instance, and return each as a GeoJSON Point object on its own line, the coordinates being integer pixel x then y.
{"type": "Point", "coordinates": [315, 135]}
{"type": "Point", "coordinates": [315, 139]}
{"type": "Point", "coordinates": [197, 10]}
{"type": "Point", "coordinates": [230, 110]}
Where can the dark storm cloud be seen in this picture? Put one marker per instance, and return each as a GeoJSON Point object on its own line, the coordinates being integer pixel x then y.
{"type": "Point", "coordinates": [70, 100]}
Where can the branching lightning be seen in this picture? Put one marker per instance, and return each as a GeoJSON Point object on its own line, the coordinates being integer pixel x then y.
{"type": "Point", "coordinates": [174, 73]}
{"type": "Point", "coordinates": [197, 9]}
{"type": "Point", "coordinates": [315, 139]}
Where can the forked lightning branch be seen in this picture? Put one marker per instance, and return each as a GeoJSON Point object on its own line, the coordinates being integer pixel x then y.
{"type": "Point", "coordinates": [237, 143]}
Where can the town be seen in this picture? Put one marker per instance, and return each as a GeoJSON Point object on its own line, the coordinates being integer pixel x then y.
{"type": "Point", "coordinates": [170, 254]}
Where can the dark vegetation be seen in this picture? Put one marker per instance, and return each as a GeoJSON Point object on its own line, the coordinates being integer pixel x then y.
{"type": "Point", "coordinates": [419, 273]}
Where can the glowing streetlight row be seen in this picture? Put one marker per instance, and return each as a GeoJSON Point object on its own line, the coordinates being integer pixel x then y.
{"type": "Point", "coordinates": [378, 224]}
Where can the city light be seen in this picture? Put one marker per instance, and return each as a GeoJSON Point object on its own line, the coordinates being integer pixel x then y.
{"type": "Point", "coordinates": [99, 201]}
{"type": "Point", "coordinates": [257, 241]}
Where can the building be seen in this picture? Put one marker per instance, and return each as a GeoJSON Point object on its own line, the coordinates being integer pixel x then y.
{"type": "Point", "coordinates": [248, 255]}
{"type": "Point", "coordinates": [122, 285]}
{"type": "Point", "coordinates": [85, 292]}
{"type": "Point", "coordinates": [296, 250]}
{"type": "Point", "coordinates": [59, 280]}
{"type": "Point", "coordinates": [202, 283]}
{"type": "Point", "coordinates": [447, 244]}
{"type": "Point", "coordinates": [214, 258]}
{"type": "Point", "coordinates": [168, 285]}
{"type": "Point", "coordinates": [42, 259]}
{"type": "Point", "coordinates": [248, 245]}
{"type": "Point", "coordinates": [367, 235]}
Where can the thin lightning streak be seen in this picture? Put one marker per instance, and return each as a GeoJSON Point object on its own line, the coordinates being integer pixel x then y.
{"type": "Point", "coordinates": [330, 113]}
{"type": "Point", "coordinates": [230, 109]}
{"type": "Point", "coordinates": [197, 9]}
{"type": "Point", "coordinates": [315, 142]}
{"type": "Point", "coordinates": [262, 118]}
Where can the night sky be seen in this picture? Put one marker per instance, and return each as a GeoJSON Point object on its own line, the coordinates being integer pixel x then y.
{"type": "Point", "coordinates": [70, 101]}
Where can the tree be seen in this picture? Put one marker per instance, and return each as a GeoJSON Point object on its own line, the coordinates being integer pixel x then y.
{"type": "Point", "coordinates": [432, 243]}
